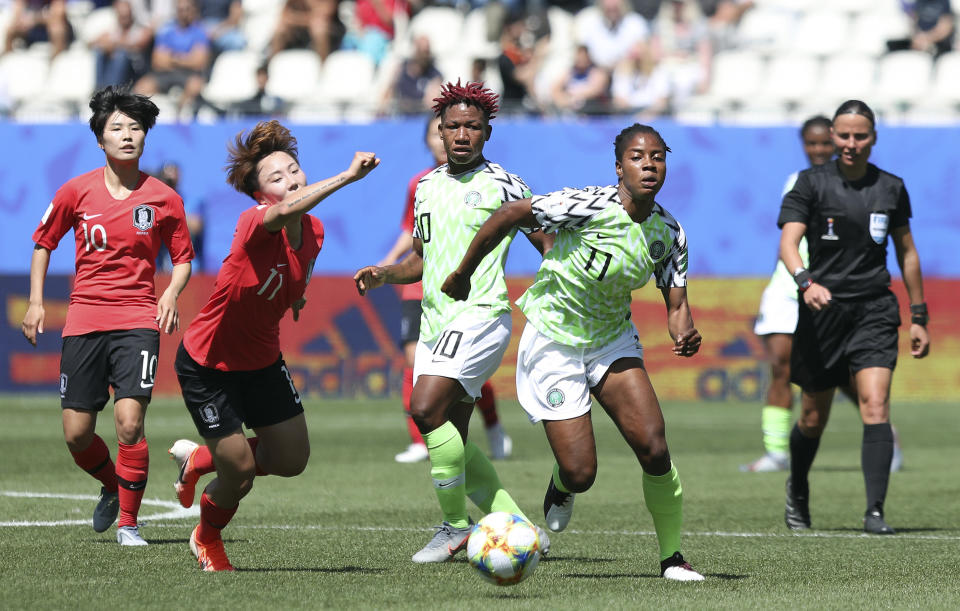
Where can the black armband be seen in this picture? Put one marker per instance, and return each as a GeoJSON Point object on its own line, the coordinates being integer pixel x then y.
{"type": "Point", "coordinates": [803, 279]}
{"type": "Point", "coordinates": [918, 314]}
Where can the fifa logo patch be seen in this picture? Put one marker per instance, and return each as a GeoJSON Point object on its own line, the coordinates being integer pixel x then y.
{"type": "Point", "coordinates": [555, 397]}
{"type": "Point", "coordinates": [63, 385]}
{"type": "Point", "coordinates": [210, 414]}
{"type": "Point", "coordinates": [878, 226]}
{"type": "Point", "coordinates": [143, 217]}
{"type": "Point", "coordinates": [472, 199]}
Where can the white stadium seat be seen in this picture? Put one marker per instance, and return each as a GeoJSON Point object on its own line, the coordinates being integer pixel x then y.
{"type": "Point", "coordinates": [233, 77]}
{"type": "Point", "coordinates": [946, 81]}
{"type": "Point", "coordinates": [790, 79]}
{"type": "Point", "coordinates": [845, 77]}
{"type": "Point", "coordinates": [443, 26]}
{"type": "Point", "coordinates": [24, 75]}
{"type": "Point", "coordinates": [347, 78]}
{"type": "Point", "coordinates": [293, 74]}
{"type": "Point", "coordinates": [72, 76]}
{"type": "Point", "coordinates": [736, 77]}
{"type": "Point", "coordinates": [903, 78]}
{"type": "Point", "coordinates": [766, 30]}
{"type": "Point", "coordinates": [475, 43]}
{"type": "Point", "coordinates": [96, 23]}
{"type": "Point", "coordinates": [821, 33]}
{"type": "Point", "coordinates": [869, 32]}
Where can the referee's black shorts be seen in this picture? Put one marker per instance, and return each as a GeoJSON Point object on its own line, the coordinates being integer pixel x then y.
{"type": "Point", "coordinates": [221, 401]}
{"type": "Point", "coordinates": [842, 339]}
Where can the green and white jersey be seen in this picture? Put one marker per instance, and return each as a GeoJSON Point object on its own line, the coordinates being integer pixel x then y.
{"type": "Point", "coordinates": [782, 279]}
{"type": "Point", "coordinates": [448, 212]}
{"type": "Point", "coordinates": [600, 255]}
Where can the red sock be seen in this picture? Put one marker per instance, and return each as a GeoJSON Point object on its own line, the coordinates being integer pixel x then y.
{"type": "Point", "coordinates": [132, 464]}
{"type": "Point", "coordinates": [407, 390]}
{"type": "Point", "coordinates": [95, 460]}
{"type": "Point", "coordinates": [488, 405]}
{"type": "Point", "coordinates": [213, 519]}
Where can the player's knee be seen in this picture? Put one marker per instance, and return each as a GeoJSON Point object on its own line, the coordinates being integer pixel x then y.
{"type": "Point", "coordinates": [78, 441]}
{"type": "Point", "coordinates": [580, 478]}
{"type": "Point", "coordinates": [129, 432]}
{"type": "Point", "coordinates": [294, 464]}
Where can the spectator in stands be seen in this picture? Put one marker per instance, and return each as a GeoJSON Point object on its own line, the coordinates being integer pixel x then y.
{"type": "Point", "coordinates": [723, 17]}
{"type": "Point", "coordinates": [681, 44]}
{"type": "Point", "coordinates": [223, 20]}
{"type": "Point", "coordinates": [521, 56]}
{"type": "Point", "coordinates": [121, 53]}
{"type": "Point", "coordinates": [308, 24]}
{"type": "Point", "coordinates": [375, 30]}
{"type": "Point", "coordinates": [612, 33]}
{"type": "Point", "coordinates": [934, 25]}
{"type": "Point", "coordinates": [39, 21]}
{"type": "Point", "coordinates": [583, 88]}
{"type": "Point", "coordinates": [640, 86]}
{"type": "Point", "coordinates": [261, 104]}
{"type": "Point", "coordinates": [415, 84]}
{"type": "Point", "coordinates": [181, 56]}
{"type": "Point", "coordinates": [648, 9]}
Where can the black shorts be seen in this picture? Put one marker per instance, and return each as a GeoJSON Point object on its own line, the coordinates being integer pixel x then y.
{"type": "Point", "coordinates": [410, 312]}
{"type": "Point", "coordinates": [221, 401]}
{"type": "Point", "coordinates": [834, 343]}
{"type": "Point", "coordinates": [91, 363]}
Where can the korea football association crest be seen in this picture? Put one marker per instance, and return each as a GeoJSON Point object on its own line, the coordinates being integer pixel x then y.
{"type": "Point", "coordinates": [210, 414]}
{"type": "Point", "coordinates": [143, 217]}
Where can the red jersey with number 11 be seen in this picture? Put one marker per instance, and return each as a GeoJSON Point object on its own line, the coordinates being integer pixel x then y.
{"type": "Point", "coordinates": [239, 327]}
{"type": "Point", "coordinates": [117, 245]}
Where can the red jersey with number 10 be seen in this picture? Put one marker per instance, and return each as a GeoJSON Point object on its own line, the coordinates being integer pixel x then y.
{"type": "Point", "coordinates": [239, 327]}
{"type": "Point", "coordinates": [117, 246]}
{"type": "Point", "coordinates": [414, 290]}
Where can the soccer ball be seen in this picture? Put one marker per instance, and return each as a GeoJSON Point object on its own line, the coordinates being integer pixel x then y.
{"type": "Point", "coordinates": [504, 548]}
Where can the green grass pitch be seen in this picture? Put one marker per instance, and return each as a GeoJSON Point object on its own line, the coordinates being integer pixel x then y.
{"type": "Point", "coordinates": [341, 535]}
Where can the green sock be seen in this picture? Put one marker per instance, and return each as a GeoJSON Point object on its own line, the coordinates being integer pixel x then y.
{"type": "Point", "coordinates": [664, 498]}
{"type": "Point", "coordinates": [776, 423]}
{"type": "Point", "coordinates": [483, 484]}
{"type": "Point", "coordinates": [447, 470]}
{"type": "Point", "coordinates": [556, 479]}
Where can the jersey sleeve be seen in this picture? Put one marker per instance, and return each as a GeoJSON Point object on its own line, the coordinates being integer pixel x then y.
{"type": "Point", "coordinates": [568, 208]}
{"type": "Point", "coordinates": [416, 201]}
{"type": "Point", "coordinates": [317, 230]}
{"type": "Point", "coordinates": [672, 270]}
{"type": "Point", "coordinates": [798, 202]}
{"type": "Point", "coordinates": [250, 229]}
{"type": "Point", "coordinates": [901, 216]}
{"type": "Point", "coordinates": [58, 219]}
{"type": "Point", "coordinates": [176, 234]}
{"type": "Point", "coordinates": [406, 223]}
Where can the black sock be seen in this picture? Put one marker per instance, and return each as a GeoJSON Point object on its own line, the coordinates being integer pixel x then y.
{"type": "Point", "coordinates": [802, 451]}
{"type": "Point", "coordinates": [875, 456]}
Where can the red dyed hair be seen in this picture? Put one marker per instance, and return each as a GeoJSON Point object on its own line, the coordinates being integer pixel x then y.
{"type": "Point", "coordinates": [474, 94]}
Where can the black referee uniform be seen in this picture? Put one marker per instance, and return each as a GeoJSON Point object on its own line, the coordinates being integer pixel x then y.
{"type": "Point", "coordinates": [847, 227]}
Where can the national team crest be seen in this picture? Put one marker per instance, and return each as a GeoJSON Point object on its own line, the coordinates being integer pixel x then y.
{"type": "Point", "coordinates": [555, 397]}
{"type": "Point", "coordinates": [657, 249]}
{"type": "Point", "coordinates": [63, 385]}
{"type": "Point", "coordinates": [472, 199]}
{"type": "Point", "coordinates": [143, 217]}
{"type": "Point", "coordinates": [210, 414]}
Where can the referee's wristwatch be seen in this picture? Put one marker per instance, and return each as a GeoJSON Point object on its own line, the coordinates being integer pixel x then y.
{"type": "Point", "coordinates": [803, 278]}
{"type": "Point", "coordinates": [918, 314]}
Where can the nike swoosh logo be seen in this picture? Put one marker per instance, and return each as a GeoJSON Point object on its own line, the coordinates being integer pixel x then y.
{"type": "Point", "coordinates": [87, 217]}
{"type": "Point", "coordinates": [142, 385]}
{"type": "Point", "coordinates": [446, 485]}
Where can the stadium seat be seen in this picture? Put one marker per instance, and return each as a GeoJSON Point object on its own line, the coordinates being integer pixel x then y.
{"type": "Point", "coordinates": [562, 31]}
{"type": "Point", "coordinates": [844, 77]}
{"type": "Point", "coordinates": [259, 22]}
{"type": "Point", "coordinates": [442, 25]}
{"type": "Point", "coordinates": [72, 76]}
{"type": "Point", "coordinates": [790, 79]}
{"type": "Point", "coordinates": [737, 76]}
{"type": "Point", "coordinates": [869, 32]}
{"type": "Point", "coordinates": [25, 75]}
{"type": "Point", "coordinates": [293, 75]}
{"type": "Point", "coordinates": [475, 43]}
{"type": "Point", "coordinates": [347, 80]}
{"type": "Point", "coordinates": [903, 78]}
{"type": "Point", "coordinates": [946, 81]}
{"type": "Point", "coordinates": [233, 77]}
{"type": "Point", "coordinates": [454, 67]}
{"type": "Point", "coordinates": [582, 15]}
{"type": "Point", "coordinates": [766, 30]}
{"type": "Point", "coordinates": [96, 23]}
{"type": "Point", "coordinates": [821, 33]}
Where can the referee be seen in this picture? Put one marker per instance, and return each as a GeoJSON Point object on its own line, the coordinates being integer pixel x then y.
{"type": "Point", "coordinates": [848, 323]}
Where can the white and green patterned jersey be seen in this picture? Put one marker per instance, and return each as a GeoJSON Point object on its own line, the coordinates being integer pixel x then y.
{"type": "Point", "coordinates": [600, 255]}
{"type": "Point", "coordinates": [448, 212]}
{"type": "Point", "coordinates": [782, 279]}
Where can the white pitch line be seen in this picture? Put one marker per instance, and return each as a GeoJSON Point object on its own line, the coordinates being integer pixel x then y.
{"type": "Point", "coordinates": [175, 511]}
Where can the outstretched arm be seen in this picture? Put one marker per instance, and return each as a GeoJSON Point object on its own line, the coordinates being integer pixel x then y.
{"type": "Point", "coordinates": [909, 261]}
{"type": "Point", "coordinates": [33, 320]}
{"type": "Point", "coordinates": [405, 272]}
{"type": "Point", "coordinates": [680, 321]}
{"type": "Point", "coordinates": [301, 201]}
{"type": "Point", "coordinates": [491, 233]}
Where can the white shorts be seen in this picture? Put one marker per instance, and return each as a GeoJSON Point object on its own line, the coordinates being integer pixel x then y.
{"type": "Point", "coordinates": [554, 380]}
{"type": "Point", "coordinates": [468, 351]}
{"type": "Point", "coordinates": [778, 311]}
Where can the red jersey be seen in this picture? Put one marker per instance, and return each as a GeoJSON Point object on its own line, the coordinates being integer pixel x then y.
{"type": "Point", "coordinates": [239, 327]}
{"type": "Point", "coordinates": [411, 292]}
{"type": "Point", "coordinates": [117, 245]}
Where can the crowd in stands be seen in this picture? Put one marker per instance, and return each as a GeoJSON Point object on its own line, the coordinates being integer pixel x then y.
{"type": "Point", "coordinates": [370, 58]}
